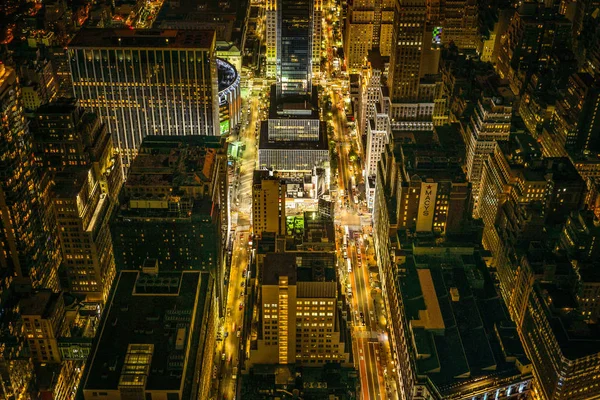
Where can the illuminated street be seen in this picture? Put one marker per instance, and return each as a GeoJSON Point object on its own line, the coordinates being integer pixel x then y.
{"type": "Point", "coordinates": [234, 320]}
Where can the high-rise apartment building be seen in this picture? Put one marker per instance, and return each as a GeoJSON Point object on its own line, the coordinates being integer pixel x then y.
{"type": "Point", "coordinates": [408, 43]}
{"type": "Point", "coordinates": [268, 204]}
{"type": "Point", "coordinates": [490, 122]}
{"type": "Point", "coordinates": [368, 26]}
{"type": "Point", "coordinates": [300, 321]}
{"type": "Point", "coordinates": [147, 82]}
{"type": "Point", "coordinates": [27, 236]}
{"type": "Point", "coordinates": [294, 47]}
{"type": "Point", "coordinates": [43, 322]}
{"type": "Point", "coordinates": [574, 124]}
{"type": "Point", "coordinates": [460, 23]}
{"type": "Point", "coordinates": [76, 149]}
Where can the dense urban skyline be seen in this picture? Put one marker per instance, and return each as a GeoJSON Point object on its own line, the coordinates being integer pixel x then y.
{"type": "Point", "coordinates": [300, 199]}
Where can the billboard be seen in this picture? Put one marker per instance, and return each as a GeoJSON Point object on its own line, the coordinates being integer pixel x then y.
{"type": "Point", "coordinates": [436, 37]}
{"type": "Point", "coordinates": [224, 127]}
{"type": "Point", "coordinates": [426, 206]}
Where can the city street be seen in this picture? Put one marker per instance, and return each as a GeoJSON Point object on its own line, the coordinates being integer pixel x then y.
{"type": "Point", "coordinates": [238, 278]}
{"type": "Point", "coordinates": [366, 328]}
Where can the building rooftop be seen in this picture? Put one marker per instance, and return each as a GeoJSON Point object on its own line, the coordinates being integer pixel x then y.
{"type": "Point", "coordinates": [68, 183]}
{"type": "Point", "coordinates": [150, 332]}
{"type": "Point", "coordinates": [575, 337]}
{"type": "Point", "coordinates": [299, 107]}
{"type": "Point", "coordinates": [174, 161]}
{"type": "Point", "coordinates": [143, 38]}
{"type": "Point", "coordinates": [309, 266]}
{"type": "Point", "coordinates": [423, 155]}
{"type": "Point", "coordinates": [40, 304]}
{"type": "Point", "coordinates": [327, 382]}
{"type": "Point", "coordinates": [266, 144]}
{"type": "Point", "coordinates": [453, 309]}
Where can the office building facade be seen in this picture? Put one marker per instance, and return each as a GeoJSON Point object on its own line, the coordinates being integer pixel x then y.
{"type": "Point", "coordinates": [491, 122]}
{"type": "Point", "coordinates": [147, 82]}
{"type": "Point", "coordinates": [76, 149]}
{"type": "Point", "coordinates": [294, 47]}
{"type": "Point", "coordinates": [300, 321]}
{"type": "Point", "coordinates": [268, 204]}
{"type": "Point", "coordinates": [29, 241]}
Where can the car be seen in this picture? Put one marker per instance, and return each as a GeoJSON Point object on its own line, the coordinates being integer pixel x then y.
{"type": "Point", "coordinates": [243, 283]}
{"type": "Point", "coordinates": [241, 305]}
{"type": "Point", "coordinates": [239, 333]}
{"type": "Point", "coordinates": [223, 356]}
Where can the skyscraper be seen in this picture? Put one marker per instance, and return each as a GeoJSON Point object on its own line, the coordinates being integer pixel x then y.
{"type": "Point", "coordinates": [574, 124]}
{"type": "Point", "coordinates": [268, 204]}
{"type": "Point", "coordinates": [407, 48]}
{"type": "Point", "coordinates": [490, 122]}
{"type": "Point", "coordinates": [369, 25]}
{"type": "Point", "coordinates": [27, 239]}
{"type": "Point", "coordinates": [294, 47]}
{"type": "Point", "coordinates": [147, 82]}
{"type": "Point", "coordinates": [271, 33]}
{"type": "Point", "coordinates": [76, 149]}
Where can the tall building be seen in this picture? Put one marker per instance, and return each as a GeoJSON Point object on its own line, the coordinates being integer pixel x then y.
{"type": "Point", "coordinates": [574, 125]}
{"type": "Point", "coordinates": [27, 235]}
{"type": "Point", "coordinates": [369, 25]}
{"type": "Point", "coordinates": [300, 321]}
{"type": "Point", "coordinates": [317, 38]}
{"type": "Point", "coordinates": [408, 43]}
{"type": "Point", "coordinates": [580, 237]}
{"type": "Point", "coordinates": [534, 33]}
{"type": "Point", "coordinates": [65, 136]}
{"type": "Point", "coordinates": [174, 207]}
{"type": "Point", "coordinates": [76, 149]}
{"type": "Point", "coordinates": [433, 192]}
{"type": "Point", "coordinates": [374, 122]}
{"type": "Point", "coordinates": [490, 122]}
{"type": "Point", "coordinates": [460, 23]}
{"type": "Point", "coordinates": [268, 204]}
{"type": "Point", "coordinates": [157, 338]}
{"type": "Point", "coordinates": [147, 82]}
{"type": "Point", "coordinates": [427, 188]}
{"type": "Point", "coordinates": [294, 47]}
{"type": "Point", "coordinates": [43, 322]}
{"type": "Point", "coordinates": [271, 36]}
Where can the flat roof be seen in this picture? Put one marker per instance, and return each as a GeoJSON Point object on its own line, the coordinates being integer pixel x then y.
{"type": "Point", "coordinates": [266, 144]}
{"type": "Point", "coordinates": [299, 266]}
{"type": "Point", "coordinates": [144, 38]}
{"type": "Point", "coordinates": [174, 161]}
{"type": "Point", "coordinates": [458, 344]}
{"type": "Point", "coordinates": [139, 314]}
